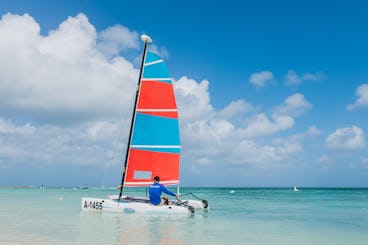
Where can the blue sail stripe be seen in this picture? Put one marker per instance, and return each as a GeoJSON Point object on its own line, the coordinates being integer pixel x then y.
{"type": "Point", "coordinates": [151, 57]}
{"type": "Point", "coordinates": [154, 130]}
{"type": "Point", "coordinates": [157, 70]}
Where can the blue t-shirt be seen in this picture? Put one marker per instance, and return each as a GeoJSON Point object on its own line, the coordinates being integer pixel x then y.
{"type": "Point", "coordinates": [155, 193]}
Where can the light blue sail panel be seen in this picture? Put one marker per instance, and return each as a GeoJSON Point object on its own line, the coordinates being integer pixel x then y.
{"type": "Point", "coordinates": [155, 131]}
{"type": "Point", "coordinates": [155, 70]}
{"type": "Point", "coordinates": [158, 70]}
{"type": "Point", "coordinates": [151, 57]}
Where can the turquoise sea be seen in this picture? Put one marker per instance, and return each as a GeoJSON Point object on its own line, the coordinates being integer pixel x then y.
{"type": "Point", "coordinates": [236, 216]}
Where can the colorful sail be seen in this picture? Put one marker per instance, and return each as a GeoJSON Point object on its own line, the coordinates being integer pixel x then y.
{"type": "Point", "coordinates": [155, 143]}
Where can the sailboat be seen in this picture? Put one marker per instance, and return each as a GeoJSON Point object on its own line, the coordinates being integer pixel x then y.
{"type": "Point", "coordinates": [296, 189]}
{"type": "Point", "coordinates": [153, 145]}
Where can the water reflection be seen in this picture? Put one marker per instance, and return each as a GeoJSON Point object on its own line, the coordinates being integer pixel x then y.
{"type": "Point", "coordinates": [117, 228]}
{"type": "Point", "coordinates": [148, 229]}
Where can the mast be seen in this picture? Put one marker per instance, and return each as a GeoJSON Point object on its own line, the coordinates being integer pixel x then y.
{"type": "Point", "coordinates": [146, 39]}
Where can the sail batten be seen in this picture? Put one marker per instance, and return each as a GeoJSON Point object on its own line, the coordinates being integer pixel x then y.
{"type": "Point", "coordinates": [153, 62]}
{"type": "Point", "coordinates": [159, 79]}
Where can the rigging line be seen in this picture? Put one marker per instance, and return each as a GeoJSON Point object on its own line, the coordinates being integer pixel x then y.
{"type": "Point", "coordinates": [120, 136]}
{"type": "Point", "coordinates": [116, 143]}
{"type": "Point", "coordinates": [185, 203]}
{"type": "Point", "coordinates": [191, 193]}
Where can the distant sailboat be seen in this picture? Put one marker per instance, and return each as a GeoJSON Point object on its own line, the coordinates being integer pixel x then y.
{"type": "Point", "coordinates": [296, 189]}
{"type": "Point", "coordinates": [153, 144]}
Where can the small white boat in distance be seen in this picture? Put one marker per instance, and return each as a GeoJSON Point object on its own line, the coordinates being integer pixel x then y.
{"type": "Point", "coordinates": [296, 189]}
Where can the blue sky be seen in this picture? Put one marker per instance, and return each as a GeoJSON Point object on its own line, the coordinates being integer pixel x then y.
{"type": "Point", "coordinates": [270, 93]}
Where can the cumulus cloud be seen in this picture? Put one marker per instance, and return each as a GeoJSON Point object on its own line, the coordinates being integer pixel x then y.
{"type": "Point", "coordinates": [362, 100]}
{"type": "Point", "coordinates": [260, 79]}
{"type": "Point", "coordinates": [90, 144]}
{"type": "Point", "coordinates": [323, 159]}
{"type": "Point", "coordinates": [274, 154]}
{"type": "Point", "coordinates": [235, 108]}
{"type": "Point", "coordinates": [193, 99]}
{"type": "Point", "coordinates": [312, 132]}
{"type": "Point", "coordinates": [63, 76]}
{"type": "Point", "coordinates": [211, 136]}
{"type": "Point", "coordinates": [346, 139]}
{"type": "Point", "coordinates": [282, 117]}
{"type": "Point", "coordinates": [73, 85]}
{"type": "Point", "coordinates": [364, 160]}
{"type": "Point", "coordinates": [292, 78]}
{"type": "Point", "coordinates": [116, 39]}
{"type": "Point", "coordinates": [293, 105]}
{"type": "Point", "coordinates": [262, 125]}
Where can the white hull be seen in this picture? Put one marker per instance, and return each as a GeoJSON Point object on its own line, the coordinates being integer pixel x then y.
{"type": "Point", "coordinates": [138, 205]}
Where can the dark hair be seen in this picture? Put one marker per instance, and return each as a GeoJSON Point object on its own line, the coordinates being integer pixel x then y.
{"type": "Point", "coordinates": [156, 178]}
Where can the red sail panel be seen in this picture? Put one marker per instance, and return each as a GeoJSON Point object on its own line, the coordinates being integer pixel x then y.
{"type": "Point", "coordinates": [163, 164]}
{"type": "Point", "coordinates": [156, 95]}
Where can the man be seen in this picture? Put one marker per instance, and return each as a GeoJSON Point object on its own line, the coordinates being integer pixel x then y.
{"type": "Point", "coordinates": [155, 192]}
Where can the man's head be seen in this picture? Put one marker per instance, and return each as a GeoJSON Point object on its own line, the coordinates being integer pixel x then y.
{"type": "Point", "coordinates": [156, 179]}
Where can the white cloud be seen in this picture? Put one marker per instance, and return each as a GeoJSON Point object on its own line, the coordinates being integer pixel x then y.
{"type": "Point", "coordinates": [235, 108]}
{"type": "Point", "coordinates": [292, 78]}
{"type": "Point", "coordinates": [207, 141]}
{"type": "Point", "coordinates": [260, 79]}
{"type": "Point", "coordinates": [364, 160]}
{"type": "Point", "coordinates": [86, 144]}
{"type": "Point", "coordinates": [261, 125]}
{"type": "Point", "coordinates": [73, 85]}
{"type": "Point", "coordinates": [210, 136]}
{"type": "Point", "coordinates": [193, 99]}
{"type": "Point", "coordinates": [288, 147]}
{"type": "Point", "coordinates": [362, 100]}
{"type": "Point", "coordinates": [294, 105]}
{"type": "Point", "coordinates": [105, 131]}
{"type": "Point", "coordinates": [323, 159]}
{"type": "Point", "coordinates": [63, 76]}
{"type": "Point", "coordinates": [161, 51]}
{"type": "Point", "coordinates": [312, 132]}
{"type": "Point", "coordinates": [249, 152]}
{"type": "Point", "coordinates": [213, 131]}
{"type": "Point", "coordinates": [281, 118]}
{"type": "Point", "coordinates": [115, 39]}
{"type": "Point", "coordinates": [346, 139]}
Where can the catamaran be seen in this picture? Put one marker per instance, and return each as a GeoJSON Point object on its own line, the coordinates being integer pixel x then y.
{"type": "Point", "coordinates": [153, 145]}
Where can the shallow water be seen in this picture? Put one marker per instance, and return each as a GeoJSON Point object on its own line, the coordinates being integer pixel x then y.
{"type": "Point", "coordinates": [247, 216]}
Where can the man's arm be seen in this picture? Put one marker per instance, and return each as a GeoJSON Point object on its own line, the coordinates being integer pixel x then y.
{"type": "Point", "coordinates": [164, 189]}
